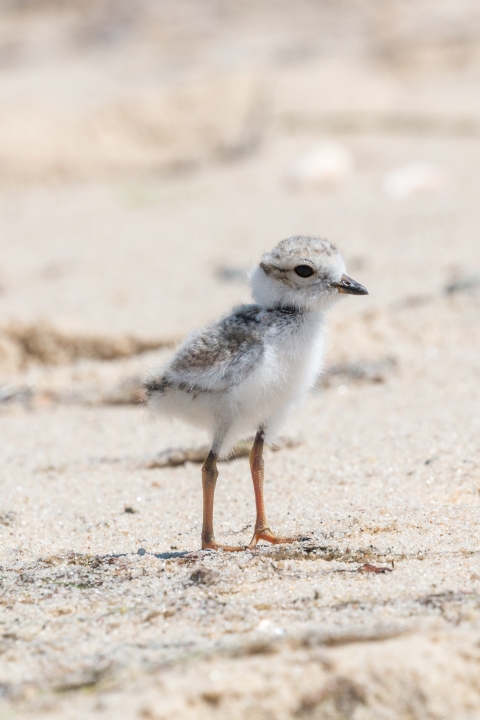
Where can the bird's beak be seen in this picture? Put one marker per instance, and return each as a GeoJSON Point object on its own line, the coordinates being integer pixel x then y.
{"type": "Point", "coordinates": [349, 286]}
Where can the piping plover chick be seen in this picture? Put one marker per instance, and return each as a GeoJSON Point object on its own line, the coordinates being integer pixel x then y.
{"type": "Point", "coordinates": [244, 372]}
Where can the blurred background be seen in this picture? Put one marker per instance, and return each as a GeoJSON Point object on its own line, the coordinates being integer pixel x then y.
{"type": "Point", "coordinates": [150, 151]}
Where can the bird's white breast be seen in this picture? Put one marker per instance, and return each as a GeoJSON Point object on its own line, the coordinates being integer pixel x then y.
{"type": "Point", "coordinates": [290, 364]}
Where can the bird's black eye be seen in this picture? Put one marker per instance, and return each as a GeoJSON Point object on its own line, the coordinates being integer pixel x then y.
{"type": "Point", "coordinates": [303, 270]}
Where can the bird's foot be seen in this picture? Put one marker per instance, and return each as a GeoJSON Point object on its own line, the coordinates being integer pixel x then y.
{"type": "Point", "coordinates": [267, 535]}
{"type": "Point", "coordinates": [212, 545]}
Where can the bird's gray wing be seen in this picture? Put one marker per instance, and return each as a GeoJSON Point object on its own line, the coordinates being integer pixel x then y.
{"type": "Point", "coordinates": [221, 355]}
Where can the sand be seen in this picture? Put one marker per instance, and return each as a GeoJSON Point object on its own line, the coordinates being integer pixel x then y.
{"type": "Point", "coordinates": [108, 607]}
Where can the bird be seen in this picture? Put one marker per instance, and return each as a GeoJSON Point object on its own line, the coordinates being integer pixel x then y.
{"type": "Point", "coordinates": [243, 373]}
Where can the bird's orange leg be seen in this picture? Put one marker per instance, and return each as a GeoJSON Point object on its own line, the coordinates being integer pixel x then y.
{"type": "Point", "coordinates": [209, 480]}
{"type": "Point", "coordinates": [262, 531]}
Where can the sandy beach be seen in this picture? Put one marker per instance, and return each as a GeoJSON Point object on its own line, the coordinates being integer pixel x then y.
{"type": "Point", "coordinates": [170, 147]}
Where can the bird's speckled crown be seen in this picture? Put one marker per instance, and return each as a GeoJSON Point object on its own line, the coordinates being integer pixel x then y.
{"type": "Point", "coordinates": [293, 250]}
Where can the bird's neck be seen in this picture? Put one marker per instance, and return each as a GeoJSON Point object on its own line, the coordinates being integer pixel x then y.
{"type": "Point", "coordinates": [288, 309]}
{"type": "Point", "coordinates": [308, 313]}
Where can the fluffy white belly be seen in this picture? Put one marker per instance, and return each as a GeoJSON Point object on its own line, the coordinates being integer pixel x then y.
{"type": "Point", "coordinates": [282, 379]}
{"type": "Point", "coordinates": [288, 368]}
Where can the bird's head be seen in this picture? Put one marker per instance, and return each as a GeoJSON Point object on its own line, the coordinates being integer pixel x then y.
{"type": "Point", "coordinates": [302, 272]}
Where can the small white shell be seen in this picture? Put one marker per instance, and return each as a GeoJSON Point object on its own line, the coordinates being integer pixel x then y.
{"type": "Point", "coordinates": [324, 165]}
{"type": "Point", "coordinates": [420, 177]}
